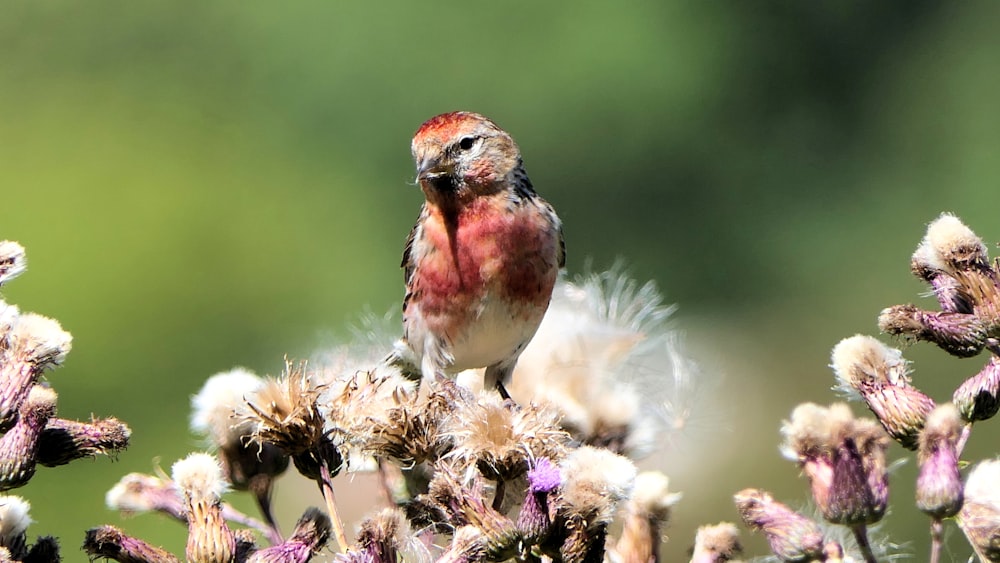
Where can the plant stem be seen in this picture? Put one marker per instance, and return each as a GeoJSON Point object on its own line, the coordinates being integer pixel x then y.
{"type": "Point", "coordinates": [861, 535]}
{"type": "Point", "coordinates": [326, 485]}
{"type": "Point", "coordinates": [936, 528]}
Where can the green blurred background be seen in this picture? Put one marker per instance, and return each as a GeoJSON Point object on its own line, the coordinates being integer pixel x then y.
{"type": "Point", "coordinates": [204, 185]}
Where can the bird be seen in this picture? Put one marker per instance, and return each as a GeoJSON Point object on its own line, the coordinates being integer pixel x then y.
{"type": "Point", "coordinates": [482, 260]}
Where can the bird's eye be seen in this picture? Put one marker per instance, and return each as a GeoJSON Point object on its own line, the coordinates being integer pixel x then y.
{"type": "Point", "coordinates": [467, 143]}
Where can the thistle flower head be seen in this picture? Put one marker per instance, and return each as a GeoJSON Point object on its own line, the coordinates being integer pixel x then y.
{"type": "Point", "coordinates": [387, 537]}
{"type": "Point", "coordinates": [137, 492]}
{"type": "Point", "coordinates": [38, 341]}
{"type": "Point", "coordinates": [792, 536]}
{"type": "Point", "coordinates": [844, 459]}
{"type": "Point", "coordinates": [951, 245]}
{"type": "Point", "coordinates": [879, 376]}
{"type": "Point", "coordinates": [63, 441]}
{"type": "Point", "coordinates": [499, 440]}
{"type": "Point", "coordinates": [979, 518]}
{"type": "Point", "coordinates": [651, 496]}
{"type": "Point", "coordinates": [311, 533]}
{"type": "Point", "coordinates": [716, 543]}
{"type": "Point", "coordinates": [939, 485]}
{"type": "Point", "coordinates": [285, 411]}
{"type": "Point", "coordinates": [199, 477]}
{"type": "Point", "coordinates": [111, 543]}
{"type": "Point", "coordinates": [14, 521]}
{"type": "Point", "coordinates": [978, 397]}
{"type": "Point", "coordinates": [468, 545]}
{"type": "Point", "coordinates": [215, 406]}
{"type": "Point", "coordinates": [375, 411]}
{"type": "Point", "coordinates": [464, 504]}
{"type": "Point", "coordinates": [594, 482]}
{"type": "Point", "coordinates": [12, 261]}
{"type": "Point", "coordinates": [535, 518]}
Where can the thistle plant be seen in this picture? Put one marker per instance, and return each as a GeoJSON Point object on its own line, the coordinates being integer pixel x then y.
{"type": "Point", "coordinates": [844, 458]}
{"type": "Point", "coordinates": [552, 473]}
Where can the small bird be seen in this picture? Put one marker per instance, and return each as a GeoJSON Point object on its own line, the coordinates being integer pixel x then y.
{"type": "Point", "coordinates": [481, 262]}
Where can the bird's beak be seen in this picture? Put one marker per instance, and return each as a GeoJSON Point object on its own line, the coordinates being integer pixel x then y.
{"type": "Point", "coordinates": [430, 169]}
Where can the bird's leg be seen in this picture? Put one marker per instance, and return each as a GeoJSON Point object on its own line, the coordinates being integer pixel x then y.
{"type": "Point", "coordinates": [503, 391]}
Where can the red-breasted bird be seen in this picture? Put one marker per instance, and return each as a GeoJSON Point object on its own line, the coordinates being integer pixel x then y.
{"type": "Point", "coordinates": [484, 255]}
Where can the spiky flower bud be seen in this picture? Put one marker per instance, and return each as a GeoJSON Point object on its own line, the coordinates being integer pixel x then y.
{"type": "Point", "coordinates": [19, 446]}
{"type": "Point", "coordinates": [716, 544]}
{"type": "Point", "coordinates": [12, 261]}
{"type": "Point", "coordinates": [844, 459]}
{"type": "Point", "coordinates": [879, 375]}
{"type": "Point", "coordinates": [44, 550]}
{"type": "Point", "coordinates": [979, 518]}
{"type": "Point", "coordinates": [647, 513]}
{"type": "Point", "coordinates": [137, 492]}
{"type": "Point", "coordinates": [960, 334]}
{"type": "Point", "coordinates": [939, 485]}
{"type": "Point", "coordinates": [199, 478]}
{"type": "Point", "coordinates": [109, 542]}
{"type": "Point", "coordinates": [63, 441]}
{"type": "Point", "coordinates": [792, 536]}
{"type": "Point", "coordinates": [310, 535]}
{"type": "Point", "coordinates": [465, 505]}
{"type": "Point", "coordinates": [978, 397]}
{"type": "Point", "coordinates": [14, 521]}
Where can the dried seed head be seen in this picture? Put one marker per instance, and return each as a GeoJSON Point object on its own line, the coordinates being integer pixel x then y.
{"type": "Point", "coordinates": [879, 375]}
{"type": "Point", "coordinates": [978, 397]}
{"type": "Point", "coordinates": [646, 514]}
{"type": "Point", "coordinates": [605, 358]}
{"type": "Point", "coordinates": [38, 341]}
{"type": "Point", "coordinates": [215, 406]}
{"type": "Point", "coordinates": [979, 518]}
{"type": "Point", "coordinates": [199, 477]}
{"type": "Point", "coordinates": [792, 537]}
{"type": "Point", "coordinates": [364, 411]}
{"type": "Point", "coordinates": [939, 485]}
{"type": "Point", "coordinates": [12, 261]}
{"type": "Point", "coordinates": [717, 543]}
{"type": "Point", "coordinates": [14, 521]}
{"type": "Point", "coordinates": [500, 439]}
{"type": "Point", "coordinates": [467, 546]}
{"type": "Point", "coordinates": [955, 246]}
{"type": "Point", "coordinates": [594, 482]}
{"type": "Point", "coordinates": [651, 496]}
{"type": "Point", "coordinates": [285, 412]}
{"type": "Point", "coordinates": [844, 459]}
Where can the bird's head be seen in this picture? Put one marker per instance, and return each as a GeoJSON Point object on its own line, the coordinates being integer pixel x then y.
{"type": "Point", "coordinates": [460, 155]}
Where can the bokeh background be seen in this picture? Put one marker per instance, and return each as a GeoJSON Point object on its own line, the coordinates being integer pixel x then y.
{"type": "Point", "coordinates": [205, 185]}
